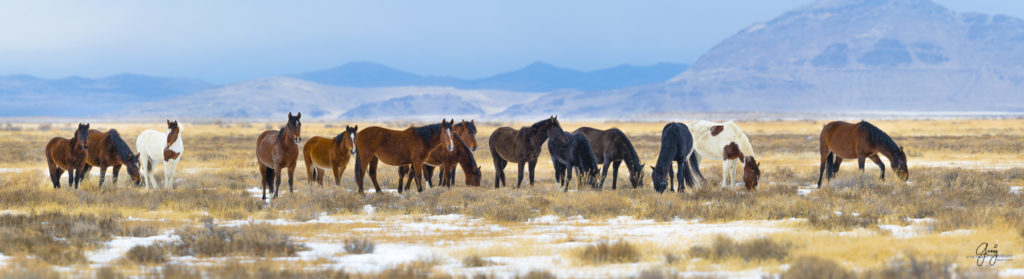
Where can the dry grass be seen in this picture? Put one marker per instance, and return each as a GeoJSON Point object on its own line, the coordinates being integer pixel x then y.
{"type": "Point", "coordinates": [811, 267]}
{"type": "Point", "coordinates": [257, 240]}
{"type": "Point", "coordinates": [147, 255]}
{"type": "Point", "coordinates": [359, 245]}
{"type": "Point", "coordinates": [724, 248]}
{"type": "Point", "coordinates": [606, 252]}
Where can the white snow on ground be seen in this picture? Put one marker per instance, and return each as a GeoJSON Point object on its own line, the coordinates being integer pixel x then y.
{"type": "Point", "coordinates": [4, 259]}
{"type": "Point", "coordinates": [1016, 190]}
{"type": "Point", "coordinates": [384, 256]}
{"type": "Point", "coordinates": [917, 227]}
{"type": "Point", "coordinates": [1011, 272]}
{"type": "Point", "coordinates": [117, 247]}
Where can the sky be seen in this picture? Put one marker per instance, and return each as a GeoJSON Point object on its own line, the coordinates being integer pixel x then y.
{"type": "Point", "coordinates": [228, 41]}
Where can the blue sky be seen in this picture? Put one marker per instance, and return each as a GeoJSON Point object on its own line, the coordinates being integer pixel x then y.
{"type": "Point", "coordinates": [226, 41]}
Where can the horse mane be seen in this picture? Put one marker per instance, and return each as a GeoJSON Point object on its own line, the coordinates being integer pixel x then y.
{"type": "Point", "coordinates": [469, 125]}
{"type": "Point", "coordinates": [339, 138]}
{"type": "Point", "coordinates": [426, 132]}
{"type": "Point", "coordinates": [539, 124]}
{"type": "Point", "coordinates": [877, 136]}
{"type": "Point", "coordinates": [629, 144]}
{"type": "Point", "coordinates": [280, 134]}
{"type": "Point", "coordinates": [122, 149]}
{"type": "Point", "coordinates": [465, 149]}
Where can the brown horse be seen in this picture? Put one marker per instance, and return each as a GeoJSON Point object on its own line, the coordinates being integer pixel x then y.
{"type": "Point", "coordinates": [466, 130]}
{"type": "Point", "coordinates": [751, 168]}
{"type": "Point", "coordinates": [407, 147]}
{"type": "Point", "coordinates": [107, 149]}
{"type": "Point", "coordinates": [521, 146]}
{"type": "Point", "coordinates": [447, 161]}
{"type": "Point", "coordinates": [842, 140]}
{"type": "Point", "coordinates": [323, 153]}
{"type": "Point", "coordinates": [68, 154]}
{"type": "Point", "coordinates": [613, 147]}
{"type": "Point", "coordinates": [277, 150]}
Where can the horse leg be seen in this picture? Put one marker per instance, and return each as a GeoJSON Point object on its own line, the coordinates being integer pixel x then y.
{"type": "Point", "coordinates": [428, 173]}
{"type": "Point", "coordinates": [402, 170]}
{"type": "Point", "coordinates": [417, 170]}
{"type": "Point", "coordinates": [671, 178]}
{"type": "Point", "coordinates": [55, 174]}
{"type": "Point", "coordinates": [521, 166]}
{"type": "Point", "coordinates": [291, 178]}
{"type": "Point", "coordinates": [604, 173]}
{"type": "Point", "coordinates": [277, 179]}
{"type": "Point", "coordinates": [71, 179]}
{"type": "Point", "coordinates": [86, 172]}
{"type": "Point", "coordinates": [103, 173]}
{"type": "Point", "coordinates": [169, 169]}
{"type": "Point", "coordinates": [881, 166]}
{"type": "Point", "coordinates": [373, 175]}
{"type": "Point", "coordinates": [499, 167]}
{"type": "Point", "coordinates": [558, 171]}
{"type": "Point", "coordinates": [615, 173]}
{"type": "Point", "coordinates": [860, 165]}
{"type": "Point", "coordinates": [117, 170]}
{"type": "Point", "coordinates": [263, 179]}
{"type": "Point", "coordinates": [533, 167]}
{"type": "Point", "coordinates": [337, 170]}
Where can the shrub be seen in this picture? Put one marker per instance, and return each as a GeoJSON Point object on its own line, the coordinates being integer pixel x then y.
{"type": "Point", "coordinates": [152, 254]}
{"type": "Point", "coordinates": [724, 248]}
{"type": "Point", "coordinates": [475, 261]}
{"type": "Point", "coordinates": [811, 267]}
{"type": "Point", "coordinates": [359, 245]}
{"type": "Point", "coordinates": [604, 252]}
{"type": "Point", "coordinates": [250, 240]}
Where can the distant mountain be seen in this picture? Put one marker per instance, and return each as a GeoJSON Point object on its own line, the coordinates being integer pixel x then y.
{"type": "Point", "coordinates": [839, 56]}
{"type": "Point", "coordinates": [76, 96]}
{"type": "Point", "coordinates": [536, 77]}
{"type": "Point", "coordinates": [274, 97]}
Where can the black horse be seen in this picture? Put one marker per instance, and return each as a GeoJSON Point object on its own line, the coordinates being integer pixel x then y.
{"type": "Point", "coordinates": [676, 145]}
{"type": "Point", "coordinates": [613, 147]}
{"type": "Point", "coordinates": [568, 152]}
{"type": "Point", "coordinates": [521, 146]}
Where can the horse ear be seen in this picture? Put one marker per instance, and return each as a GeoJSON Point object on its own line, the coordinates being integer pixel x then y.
{"type": "Point", "coordinates": [297, 116]}
{"type": "Point", "coordinates": [290, 115]}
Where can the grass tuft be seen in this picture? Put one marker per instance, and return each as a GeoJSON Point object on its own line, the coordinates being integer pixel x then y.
{"type": "Point", "coordinates": [605, 252]}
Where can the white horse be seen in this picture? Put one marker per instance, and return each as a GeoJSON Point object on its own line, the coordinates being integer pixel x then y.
{"type": "Point", "coordinates": [712, 139]}
{"type": "Point", "coordinates": [156, 147]}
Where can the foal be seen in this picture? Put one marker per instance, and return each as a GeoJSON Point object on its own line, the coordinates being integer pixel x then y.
{"type": "Point", "coordinates": [68, 154]}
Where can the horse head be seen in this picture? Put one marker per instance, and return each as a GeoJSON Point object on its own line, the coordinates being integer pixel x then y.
{"type": "Point", "coordinates": [467, 130]}
{"type": "Point", "coordinates": [899, 164]}
{"type": "Point", "coordinates": [351, 131]}
{"type": "Point", "coordinates": [132, 164]}
{"type": "Point", "coordinates": [82, 136]}
{"type": "Point", "coordinates": [751, 172]}
{"type": "Point", "coordinates": [446, 132]}
{"type": "Point", "coordinates": [473, 177]}
{"type": "Point", "coordinates": [294, 127]}
{"type": "Point", "coordinates": [658, 177]}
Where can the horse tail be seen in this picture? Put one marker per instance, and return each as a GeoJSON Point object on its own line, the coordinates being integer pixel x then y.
{"type": "Point", "coordinates": [695, 163]}
{"type": "Point", "coordinates": [686, 175]}
{"type": "Point", "coordinates": [830, 168]}
{"type": "Point", "coordinates": [270, 177]}
{"type": "Point", "coordinates": [359, 165]}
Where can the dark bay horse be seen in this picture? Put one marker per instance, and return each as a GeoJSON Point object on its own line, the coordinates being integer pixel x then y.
{"type": "Point", "coordinates": [677, 146]}
{"type": "Point", "coordinates": [406, 147]}
{"type": "Point", "coordinates": [68, 154]}
{"type": "Point", "coordinates": [446, 161]}
{"type": "Point", "coordinates": [842, 140]}
{"type": "Point", "coordinates": [569, 152]}
{"type": "Point", "coordinates": [521, 146]}
{"type": "Point", "coordinates": [277, 150]}
{"type": "Point", "coordinates": [613, 147]}
{"type": "Point", "coordinates": [107, 149]}
{"type": "Point", "coordinates": [323, 154]}
{"type": "Point", "coordinates": [465, 130]}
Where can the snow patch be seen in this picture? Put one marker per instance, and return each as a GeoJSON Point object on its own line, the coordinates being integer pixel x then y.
{"type": "Point", "coordinates": [117, 247]}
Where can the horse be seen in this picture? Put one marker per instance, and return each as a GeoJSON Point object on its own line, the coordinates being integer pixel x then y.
{"type": "Point", "coordinates": [676, 145]}
{"type": "Point", "coordinates": [462, 155]}
{"type": "Point", "coordinates": [277, 150]}
{"type": "Point", "coordinates": [843, 140]}
{"type": "Point", "coordinates": [406, 147]}
{"type": "Point", "coordinates": [572, 151]}
{"type": "Point", "coordinates": [521, 146]}
{"type": "Point", "coordinates": [725, 142]}
{"type": "Point", "coordinates": [612, 147]}
{"type": "Point", "coordinates": [323, 154]}
{"type": "Point", "coordinates": [107, 149]}
{"type": "Point", "coordinates": [465, 130]}
{"type": "Point", "coordinates": [68, 154]}
{"type": "Point", "coordinates": [156, 147]}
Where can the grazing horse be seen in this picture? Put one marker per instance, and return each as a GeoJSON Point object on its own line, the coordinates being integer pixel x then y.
{"type": "Point", "coordinates": [323, 154]}
{"type": "Point", "coordinates": [407, 147]}
{"type": "Point", "coordinates": [277, 150]}
{"type": "Point", "coordinates": [842, 140]}
{"type": "Point", "coordinates": [612, 147]}
{"type": "Point", "coordinates": [725, 142]}
{"type": "Point", "coordinates": [156, 147]}
{"type": "Point", "coordinates": [107, 149]}
{"type": "Point", "coordinates": [676, 145]}
{"type": "Point", "coordinates": [462, 155]}
{"type": "Point", "coordinates": [521, 146]}
{"type": "Point", "coordinates": [68, 154]}
{"type": "Point", "coordinates": [572, 151]}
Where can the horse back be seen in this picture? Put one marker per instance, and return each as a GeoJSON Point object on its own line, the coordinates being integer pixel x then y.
{"type": "Point", "coordinates": [841, 138]}
{"type": "Point", "coordinates": [58, 150]}
{"type": "Point", "coordinates": [504, 142]}
{"type": "Point", "coordinates": [321, 151]}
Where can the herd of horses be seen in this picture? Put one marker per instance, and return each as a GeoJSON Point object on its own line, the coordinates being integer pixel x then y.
{"type": "Point", "coordinates": [417, 151]}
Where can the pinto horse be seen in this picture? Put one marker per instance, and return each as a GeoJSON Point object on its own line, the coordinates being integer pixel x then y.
{"type": "Point", "coordinates": [277, 150]}
{"type": "Point", "coordinates": [572, 151]}
{"type": "Point", "coordinates": [407, 147]}
{"type": "Point", "coordinates": [677, 146]}
{"type": "Point", "coordinates": [521, 146]}
{"type": "Point", "coordinates": [842, 140]}
{"type": "Point", "coordinates": [68, 154]}
{"type": "Point", "coordinates": [323, 154]}
{"type": "Point", "coordinates": [726, 142]}
{"type": "Point", "coordinates": [462, 155]}
{"type": "Point", "coordinates": [107, 149]}
{"type": "Point", "coordinates": [612, 147]}
{"type": "Point", "coordinates": [157, 147]}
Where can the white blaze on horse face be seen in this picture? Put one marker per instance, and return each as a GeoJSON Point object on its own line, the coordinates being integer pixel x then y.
{"type": "Point", "coordinates": [353, 137]}
{"type": "Point", "coordinates": [451, 144]}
